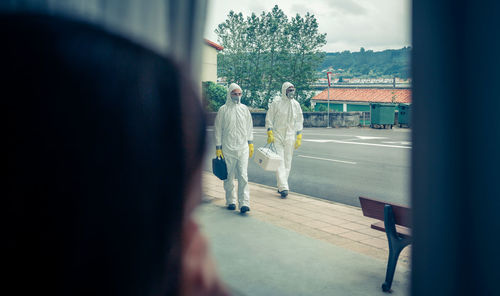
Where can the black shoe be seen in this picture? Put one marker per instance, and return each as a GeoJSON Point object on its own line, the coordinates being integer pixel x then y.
{"type": "Point", "coordinates": [284, 193]}
{"type": "Point", "coordinates": [244, 209]}
{"type": "Point", "coordinates": [231, 207]}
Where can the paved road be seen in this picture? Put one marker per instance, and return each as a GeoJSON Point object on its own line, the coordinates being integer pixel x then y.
{"type": "Point", "coordinates": [342, 164]}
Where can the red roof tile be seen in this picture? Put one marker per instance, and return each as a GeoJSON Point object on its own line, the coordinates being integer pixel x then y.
{"type": "Point", "coordinates": [214, 45]}
{"type": "Point", "coordinates": [375, 95]}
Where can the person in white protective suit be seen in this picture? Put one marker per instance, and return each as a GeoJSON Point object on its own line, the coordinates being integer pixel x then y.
{"type": "Point", "coordinates": [234, 143]}
{"type": "Point", "coordinates": [284, 123]}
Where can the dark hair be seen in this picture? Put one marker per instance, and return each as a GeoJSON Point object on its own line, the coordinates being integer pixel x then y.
{"type": "Point", "coordinates": [102, 137]}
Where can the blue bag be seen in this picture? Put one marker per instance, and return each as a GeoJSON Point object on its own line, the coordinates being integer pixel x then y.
{"type": "Point", "coordinates": [219, 168]}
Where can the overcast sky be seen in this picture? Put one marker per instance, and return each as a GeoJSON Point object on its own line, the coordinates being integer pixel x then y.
{"type": "Point", "coordinates": [349, 24]}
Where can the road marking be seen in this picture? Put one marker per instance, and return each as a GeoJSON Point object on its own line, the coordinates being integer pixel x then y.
{"type": "Point", "coordinates": [308, 134]}
{"type": "Point", "coordinates": [400, 143]}
{"type": "Point", "coordinates": [370, 138]}
{"type": "Point", "coordinates": [354, 143]}
{"type": "Point", "coordinates": [357, 143]}
{"type": "Point", "coordinates": [327, 135]}
{"type": "Point", "coordinates": [319, 141]}
{"type": "Point", "coordinates": [327, 159]}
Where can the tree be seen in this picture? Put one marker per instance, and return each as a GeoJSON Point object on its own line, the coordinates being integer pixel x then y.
{"type": "Point", "coordinates": [275, 40]}
{"type": "Point", "coordinates": [322, 108]}
{"type": "Point", "coordinates": [305, 53]}
{"type": "Point", "coordinates": [256, 54]}
{"type": "Point", "coordinates": [261, 52]}
{"type": "Point", "coordinates": [232, 35]}
{"type": "Point", "coordinates": [214, 96]}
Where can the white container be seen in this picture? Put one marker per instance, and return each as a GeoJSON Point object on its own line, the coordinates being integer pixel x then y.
{"type": "Point", "coordinates": [267, 159]}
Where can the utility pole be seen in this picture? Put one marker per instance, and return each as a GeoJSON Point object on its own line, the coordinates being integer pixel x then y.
{"type": "Point", "coordinates": [329, 76]}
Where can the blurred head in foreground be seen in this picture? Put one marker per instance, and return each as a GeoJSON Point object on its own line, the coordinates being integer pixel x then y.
{"type": "Point", "coordinates": [104, 146]}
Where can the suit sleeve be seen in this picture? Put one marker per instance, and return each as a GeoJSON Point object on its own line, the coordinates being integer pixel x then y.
{"type": "Point", "coordinates": [218, 127]}
{"type": "Point", "coordinates": [270, 116]}
{"type": "Point", "coordinates": [250, 127]}
{"type": "Point", "coordinates": [299, 120]}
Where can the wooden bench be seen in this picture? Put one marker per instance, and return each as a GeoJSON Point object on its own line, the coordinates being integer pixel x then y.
{"type": "Point", "coordinates": [396, 224]}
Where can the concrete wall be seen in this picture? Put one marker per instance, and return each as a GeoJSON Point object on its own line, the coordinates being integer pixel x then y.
{"type": "Point", "coordinates": [259, 118]}
{"type": "Point", "coordinates": [311, 119]}
{"type": "Point", "coordinates": [337, 119]}
{"type": "Point", "coordinates": [211, 118]}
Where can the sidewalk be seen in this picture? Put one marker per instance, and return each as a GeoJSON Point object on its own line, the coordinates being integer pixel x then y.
{"type": "Point", "coordinates": [297, 246]}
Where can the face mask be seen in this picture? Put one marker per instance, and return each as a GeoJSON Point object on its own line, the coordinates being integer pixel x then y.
{"type": "Point", "coordinates": [291, 94]}
{"type": "Point", "coordinates": [236, 99]}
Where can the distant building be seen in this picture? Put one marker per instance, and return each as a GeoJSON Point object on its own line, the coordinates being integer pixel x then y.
{"type": "Point", "coordinates": [345, 99]}
{"type": "Point", "coordinates": [209, 61]}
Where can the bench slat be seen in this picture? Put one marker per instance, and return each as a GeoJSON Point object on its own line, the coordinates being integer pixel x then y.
{"type": "Point", "coordinates": [401, 230]}
{"type": "Point", "coordinates": [375, 209]}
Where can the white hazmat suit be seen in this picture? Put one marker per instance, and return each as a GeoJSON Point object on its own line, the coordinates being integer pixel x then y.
{"type": "Point", "coordinates": [285, 119]}
{"type": "Point", "coordinates": [233, 132]}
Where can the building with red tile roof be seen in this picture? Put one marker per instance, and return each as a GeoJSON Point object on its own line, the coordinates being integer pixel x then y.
{"type": "Point", "coordinates": [344, 99]}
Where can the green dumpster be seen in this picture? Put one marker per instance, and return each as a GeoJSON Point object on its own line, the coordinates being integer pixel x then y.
{"type": "Point", "coordinates": [404, 114]}
{"type": "Point", "coordinates": [382, 115]}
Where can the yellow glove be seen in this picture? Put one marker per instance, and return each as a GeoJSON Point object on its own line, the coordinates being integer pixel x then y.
{"type": "Point", "coordinates": [298, 141]}
{"type": "Point", "coordinates": [250, 150]}
{"type": "Point", "coordinates": [270, 137]}
{"type": "Point", "coordinates": [218, 153]}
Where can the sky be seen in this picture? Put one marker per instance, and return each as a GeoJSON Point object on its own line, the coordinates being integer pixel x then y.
{"type": "Point", "coordinates": [349, 24]}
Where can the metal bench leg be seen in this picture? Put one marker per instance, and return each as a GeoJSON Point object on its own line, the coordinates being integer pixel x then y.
{"type": "Point", "coordinates": [396, 245]}
{"type": "Point", "coordinates": [391, 267]}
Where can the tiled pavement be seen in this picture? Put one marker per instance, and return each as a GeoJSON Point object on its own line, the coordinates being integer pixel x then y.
{"type": "Point", "coordinates": [334, 223]}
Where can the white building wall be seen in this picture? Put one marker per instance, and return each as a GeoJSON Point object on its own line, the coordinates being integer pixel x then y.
{"type": "Point", "coordinates": [209, 64]}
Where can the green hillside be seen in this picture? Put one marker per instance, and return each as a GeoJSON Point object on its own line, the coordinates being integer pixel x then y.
{"type": "Point", "coordinates": [369, 64]}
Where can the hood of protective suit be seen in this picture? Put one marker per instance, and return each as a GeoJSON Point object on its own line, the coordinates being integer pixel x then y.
{"type": "Point", "coordinates": [229, 100]}
{"type": "Point", "coordinates": [284, 87]}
